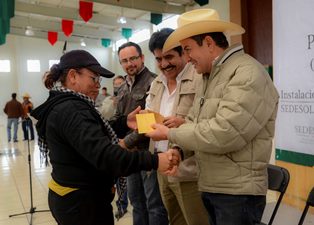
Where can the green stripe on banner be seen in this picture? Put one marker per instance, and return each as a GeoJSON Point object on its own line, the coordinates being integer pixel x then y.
{"type": "Point", "coordinates": [2, 39]}
{"type": "Point", "coordinates": [11, 8]}
{"type": "Point", "coordinates": [4, 26]}
{"type": "Point", "coordinates": [295, 157]}
{"type": "Point", "coordinates": [4, 14]}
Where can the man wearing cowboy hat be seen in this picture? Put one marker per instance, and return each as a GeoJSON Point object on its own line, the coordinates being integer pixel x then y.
{"type": "Point", "coordinates": [27, 123]}
{"type": "Point", "coordinates": [231, 123]}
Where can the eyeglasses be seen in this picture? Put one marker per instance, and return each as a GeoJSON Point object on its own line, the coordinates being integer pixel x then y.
{"type": "Point", "coordinates": [131, 60]}
{"type": "Point", "coordinates": [97, 79]}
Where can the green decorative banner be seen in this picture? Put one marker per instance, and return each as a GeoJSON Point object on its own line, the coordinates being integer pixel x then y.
{"type": "Point", "coordinates": [4, 26]}
{"type": "Point", "coordinates": [201, 2]}
{"type": "Point", "coordinates": [295, 157]}
{"type": "Point", "coordinates": [155, 18]}
{"type": "Point", "coordinates": [2, 39]}
{"type": "Point", "coordinates": [6, 12]}
{"type": "Point", "coordinates": [11, 7]}
{"type": "Point", "coordinates": [105, 42]}
{"type": "Point", "coordinates": [126, 32]}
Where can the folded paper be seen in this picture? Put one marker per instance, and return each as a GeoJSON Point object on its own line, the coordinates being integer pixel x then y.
{"type": "Point", "coordinates": [146, 120]}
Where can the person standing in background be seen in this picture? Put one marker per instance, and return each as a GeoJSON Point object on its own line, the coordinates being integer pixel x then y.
{"type": "Point", "coordinates": [142, 187]}
{"type": "Point", "coordinates": [101, 97]}
{"type": "Point", "coordinates": [109, 105]}
{"type": "Point", "coordinates": [14, 111]}
{"type": "Point", "coordinates": [27, 123]}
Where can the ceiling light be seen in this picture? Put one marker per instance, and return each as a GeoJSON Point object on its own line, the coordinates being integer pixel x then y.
{"type": "Point", "coordinates": [83, 44]}
{"type": "Point", "coordinates": [121, 20]}
{"type": "Point", "coordinates": [29, 31]}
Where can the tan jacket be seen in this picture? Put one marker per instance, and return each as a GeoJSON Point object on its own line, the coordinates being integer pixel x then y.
{"type": "Point", "coordinates": [231, 125]}
{"type": "Point", "coordinates": [188, 169]}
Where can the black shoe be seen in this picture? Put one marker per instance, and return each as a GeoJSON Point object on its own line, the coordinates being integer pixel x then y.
{"type": "Point", "coordinates": [119, 215]}
{"type": "Point", "coordinates": [16, 141]}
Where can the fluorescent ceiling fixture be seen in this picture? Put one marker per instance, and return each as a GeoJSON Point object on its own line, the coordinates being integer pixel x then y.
{"type": "Point", "coordinates": [83, 44]}
{"type": "Point", "coordinates": [140, 36]}
{"type": "Point", "coordinates": [29, 31]}
{"type": "Point", "coordinates": [171, 22]}
{"type": "Point", "coordinates": [121, 20]}
{"type": "Point", "coordinates": [5, 66]}
{"type": "Point", "coordinates": [52, 62]}
{"type": "Point", "coordinates": [33, 66]}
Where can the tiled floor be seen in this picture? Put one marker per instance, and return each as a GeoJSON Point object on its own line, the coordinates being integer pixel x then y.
{"type": "Point", "coordinates": [15, 188]}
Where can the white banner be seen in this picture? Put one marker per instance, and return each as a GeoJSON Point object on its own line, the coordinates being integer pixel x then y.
{"type": "Point", "coordinates": [293, 44]}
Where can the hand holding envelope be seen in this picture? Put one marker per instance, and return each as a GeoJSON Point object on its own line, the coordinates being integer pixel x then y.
{"type": "Point", "coordinates": [131, 119]}
{"type": "Point", "coordinates": [146, 119]}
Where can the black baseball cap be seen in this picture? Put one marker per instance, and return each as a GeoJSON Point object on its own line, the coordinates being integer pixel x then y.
{"type": "Point", "coordinates": [83, 59]}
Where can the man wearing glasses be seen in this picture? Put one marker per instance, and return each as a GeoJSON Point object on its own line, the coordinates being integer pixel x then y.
{"type": "Point", "coordinates": [142, 187]}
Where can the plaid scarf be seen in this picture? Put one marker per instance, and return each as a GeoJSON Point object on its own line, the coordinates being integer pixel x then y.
{"type": "Point", "coordinates": [43, 147]}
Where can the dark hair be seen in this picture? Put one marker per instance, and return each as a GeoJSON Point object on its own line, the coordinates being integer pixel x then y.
{"type": "Point", "coordinates": [129, 44]}
{"type": "Point", "coordinates": [56, 74]}
{"type": "Point", "coordinates": [13, 95]}
{"type": "Point", "coordinates": [218, 37]}
{"type": "Point", "coordinates": [104, 88]}
{"type": "Point", "coordinates": [159, 38]}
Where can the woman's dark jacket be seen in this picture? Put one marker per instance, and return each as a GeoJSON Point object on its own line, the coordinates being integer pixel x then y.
{"type": "Point", "coordinates": [80, 148]}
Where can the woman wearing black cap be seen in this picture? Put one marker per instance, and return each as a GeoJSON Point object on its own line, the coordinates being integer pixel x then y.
{"type": "Point", "coordinates": [83, 147]}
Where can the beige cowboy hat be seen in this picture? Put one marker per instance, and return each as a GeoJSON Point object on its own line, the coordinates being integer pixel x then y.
{"type": "Point", "coordinates": [200, 21]}
{"type": "Point", "coordinates": [26, 95]}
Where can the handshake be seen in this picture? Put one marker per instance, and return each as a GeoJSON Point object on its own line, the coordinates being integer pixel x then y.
{"type": "Point", "coordinates": [168, 162]}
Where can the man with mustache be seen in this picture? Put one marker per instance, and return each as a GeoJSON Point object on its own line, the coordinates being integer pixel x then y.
{"type": "Point", "coordinates": [142, 187]}
{"type": "Point", "coordinates": [172, 94]}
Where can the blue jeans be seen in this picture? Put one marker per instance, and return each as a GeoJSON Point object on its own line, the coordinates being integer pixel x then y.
{"type": "Point", "coordinates": [27, 125]}
{"type": "Point", "coordinates": [144, 195]}
{"type": "Point", "coordinates": [13, 121]}
{"type": "Point", "coordinates": [224, 209]}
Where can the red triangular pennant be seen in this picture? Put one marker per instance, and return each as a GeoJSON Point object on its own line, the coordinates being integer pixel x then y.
{"type": "Point", "coordinates": [52, 37]}
{"type": "Point", "coordinates": [86, 10]}
{"type": "Point", "coordinates": [67, 27]}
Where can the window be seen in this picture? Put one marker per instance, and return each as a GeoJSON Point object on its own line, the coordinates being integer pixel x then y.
{"type": "Point", "coordinates": [53, 61]}
{"type": "Point", "coordinates": [170, 22]}
{"type": "Point", "coordinates": [33, 66]}
{"type": "Point", "coordinates": [5, 66]}
{"type": "Point", "coordinates": [140, 36]}
{"type": "Point", "coordinates": [119, 43]}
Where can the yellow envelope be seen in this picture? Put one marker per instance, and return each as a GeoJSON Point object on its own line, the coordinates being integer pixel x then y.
{"type": "Point", "coordinates": [144, 122]}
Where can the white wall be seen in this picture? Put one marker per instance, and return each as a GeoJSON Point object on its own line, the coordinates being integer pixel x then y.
{"type": "Point", "coordinates": [19, 49]}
